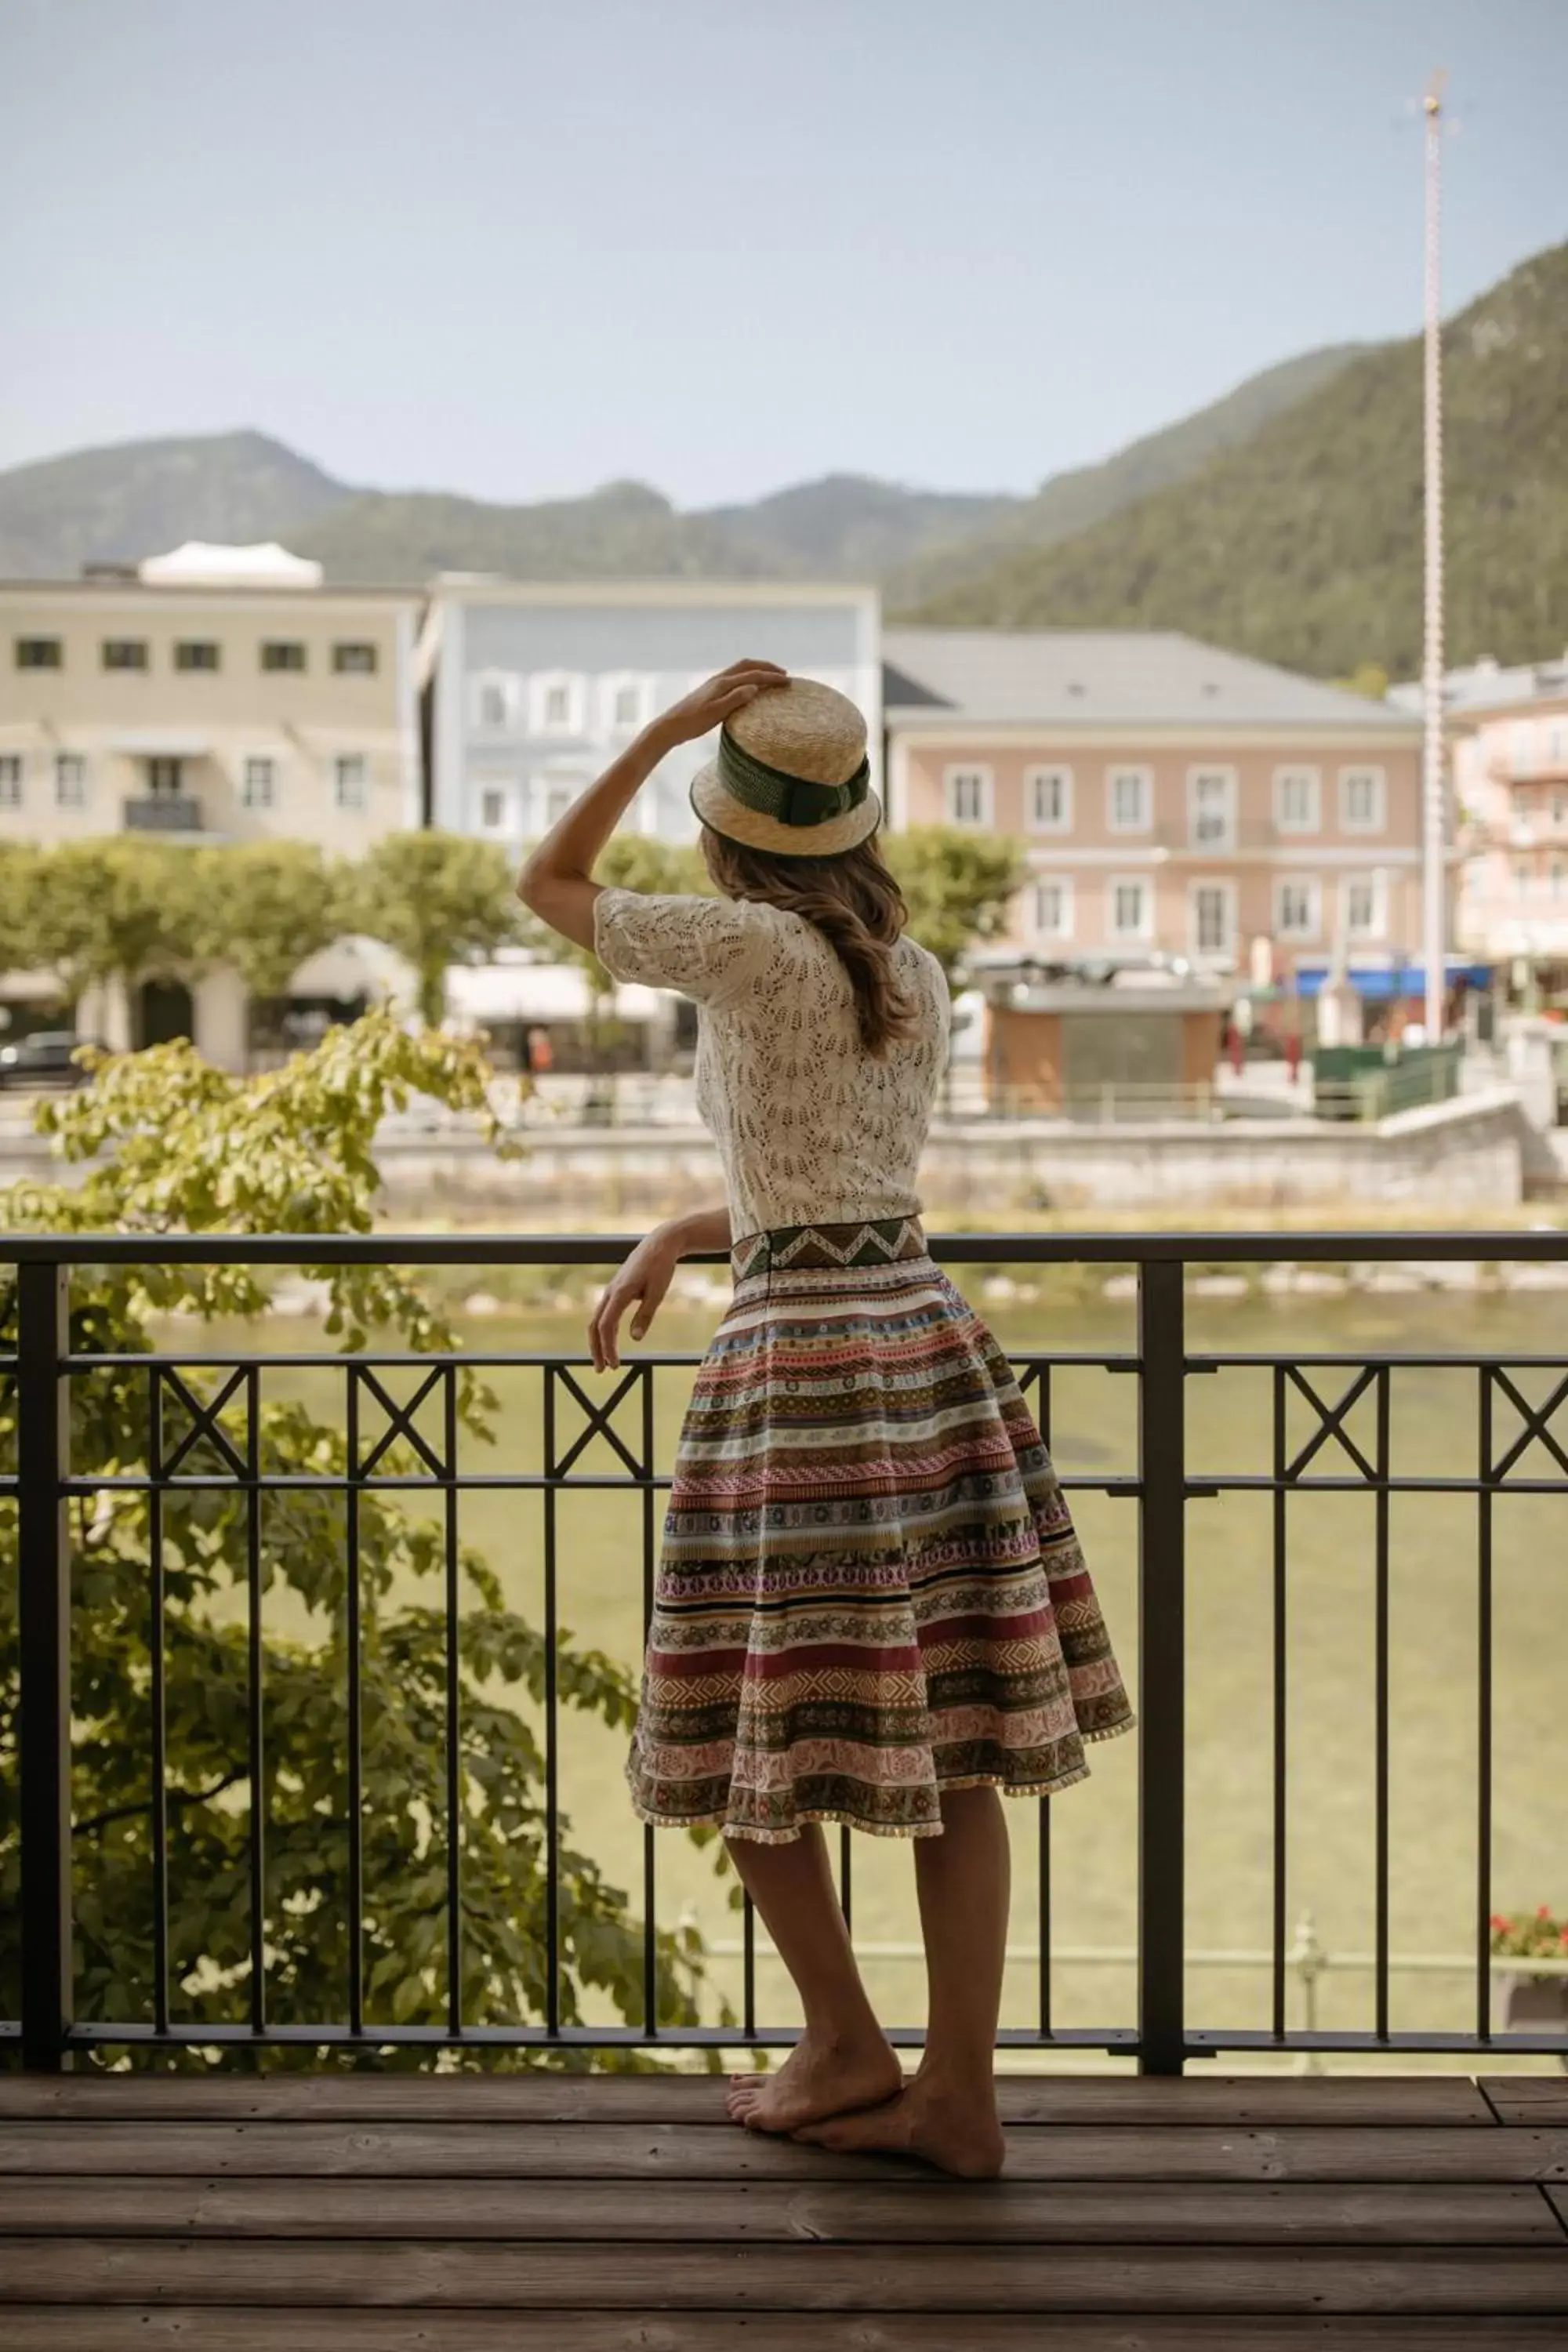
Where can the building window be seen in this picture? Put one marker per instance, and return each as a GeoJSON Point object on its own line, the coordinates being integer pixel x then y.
{"type": "Point", "coordinates": [1211, 808]}
{"type": "Point", "coordinates": [968, 795]}
{"type": "Point", "coordinates": [282, 653]}
{"type": "Point", "coordinates": [125, 653]}
{"type": "Point", "coordinates": [555, 797]}
{"type": "Point", "coordinates": [495, 701]}
{"type": "Point", "coordinates": [38, 653]}
{"type": "Point", "coordinates": [1560, 808]}
{"type": "Point", "coordinates": [353, 658]}
{"type": "Point", "coordinates": [10, 780]}
{"type": "Point", "coordinates": [1298, 905]}
{"type": "Point", "coordinates": [555, 703]}
{"type": "Point", "coordinates": [492, 810]}
{"type": "Point", "coordinates": [1364, 906]}
{"type": "Point", "coordinates": [1131, 907]}
{"type": "Point", "coordinates": [1557, 743]}
{"type": "Point", "coordinates": [1559, 877]}
{"type": "Point", "coordinates": [71, 779]}
{"type": "Point", "coordinates": [625, 703]}
{"type": "Point", "coordinates": [1053, 907]}
{"type": "Point", "coordinates": [1048, 796]}
{"type": "Point", "coordinates": [1129, 798]}
{"type": "Point", "coordinates": [258, 784]}
{"type": "Point", "coordinates": [195, 653]}
{"type": "Point", "coordinates": [349, 779]}
{"type": "Point", "coordinates": [1521, 881]}
{"type": "Point", "coordinates": [1213, 919]}
{"type": "Point", "coordinates": [1298, 800]}
{"type": "Point", "coordinates": [1360, 800]}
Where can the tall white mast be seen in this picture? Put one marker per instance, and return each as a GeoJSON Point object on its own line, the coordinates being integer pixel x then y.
{"type": "Point", "coordinates": [1434, 940]}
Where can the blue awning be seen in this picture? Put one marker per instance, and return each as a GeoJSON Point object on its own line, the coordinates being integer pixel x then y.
{"type": "Point", "coordinates": [1379, 984]}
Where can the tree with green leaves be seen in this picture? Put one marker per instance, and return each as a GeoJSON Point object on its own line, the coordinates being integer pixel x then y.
{"type": "Point", "coordinates": [118, 907]}
{"type": "Point", "coordinates": [273, 904]}
{"type": "Point", "coordinates": [958, 886]}
{"type": "Point", "coordinates": [166, 1143]}
{"type": "Point", "coordinates": [435, 899]}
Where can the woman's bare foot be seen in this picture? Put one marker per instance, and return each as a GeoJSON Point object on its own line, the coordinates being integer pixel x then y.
{"type": "Point", "coordinates": [956, 2130]}
{"type": "Point", "coordinates": [820, 2077]}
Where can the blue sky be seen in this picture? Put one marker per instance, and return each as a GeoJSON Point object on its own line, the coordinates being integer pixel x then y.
{"type": "Point", "coordinates": [517, 250]}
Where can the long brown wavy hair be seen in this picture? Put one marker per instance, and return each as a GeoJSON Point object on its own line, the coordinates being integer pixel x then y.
{"type": "Point", "coordinates": [854, 902]}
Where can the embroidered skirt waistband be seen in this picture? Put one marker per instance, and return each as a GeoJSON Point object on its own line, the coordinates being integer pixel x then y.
{"type": "Point", "coordinates": [879, 1241]}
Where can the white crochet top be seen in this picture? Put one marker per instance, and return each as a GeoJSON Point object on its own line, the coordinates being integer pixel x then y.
{"type": "Point", "coordinates": [810, 1128]}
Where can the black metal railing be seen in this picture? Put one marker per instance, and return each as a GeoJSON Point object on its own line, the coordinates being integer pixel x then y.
{"type": "Point", "coordinates": [1530, 1457]}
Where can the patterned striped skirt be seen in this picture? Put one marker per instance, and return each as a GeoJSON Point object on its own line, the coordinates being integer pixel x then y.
{"type": "Point", "coordinates": [870, 1589]}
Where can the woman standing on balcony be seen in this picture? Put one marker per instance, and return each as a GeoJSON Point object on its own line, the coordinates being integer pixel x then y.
{"type": "Point", "coordinates": [871, 1606]}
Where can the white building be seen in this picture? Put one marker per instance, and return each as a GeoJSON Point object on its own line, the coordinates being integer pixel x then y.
{"type": "Point", "coordinates": [533, 687]}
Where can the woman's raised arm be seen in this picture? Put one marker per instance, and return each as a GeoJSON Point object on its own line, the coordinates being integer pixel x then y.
{"type": "Point", "coordinates": [556, 884]}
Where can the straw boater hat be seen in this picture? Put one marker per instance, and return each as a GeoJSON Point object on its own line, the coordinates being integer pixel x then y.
{"type": "Point", "coordinates": [792, 774]}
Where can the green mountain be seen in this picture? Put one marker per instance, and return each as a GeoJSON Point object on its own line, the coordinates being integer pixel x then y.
{"type": "Point", "coordinates": [848, 527]}
{"type": "Point", "coordinates": [1076, 500]}
{"type": "Point", "coordinates": [1304, 543]}
{"type": "Point", "coordinates": [139, 497]}
{"type": "Point", "coordinates": [136, 500]}
{"type": "Point", "coordinates": [623, 531]}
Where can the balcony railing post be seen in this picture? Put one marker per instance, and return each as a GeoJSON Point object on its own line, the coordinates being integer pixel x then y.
{"type": "Point", "coordinates": [1162, 1665]}
{"type": "Point", "coordinates": [44, 1613]}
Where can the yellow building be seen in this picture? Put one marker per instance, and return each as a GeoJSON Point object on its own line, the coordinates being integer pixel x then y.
{"type": "Point", "coordinates": [216, 695]}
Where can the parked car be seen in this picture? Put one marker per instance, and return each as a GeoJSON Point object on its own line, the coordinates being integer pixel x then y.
{"type": "Point", "coordinates": [44, 1059]}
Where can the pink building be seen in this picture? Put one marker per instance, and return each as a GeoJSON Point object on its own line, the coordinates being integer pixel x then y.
{"type": "Point", "coordinates": [1174, 798]}
{"type": "Point", "coordinates": [1509, 732]}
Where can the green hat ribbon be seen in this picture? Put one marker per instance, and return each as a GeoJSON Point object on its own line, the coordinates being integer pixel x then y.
{"type": "Point", "coordinates": [791, 799]}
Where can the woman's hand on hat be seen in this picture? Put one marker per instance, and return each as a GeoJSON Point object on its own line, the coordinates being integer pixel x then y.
{"type": "Point", "coordinates": [710, 704]}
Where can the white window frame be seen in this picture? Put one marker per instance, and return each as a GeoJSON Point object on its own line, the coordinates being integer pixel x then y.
{"type": "Point", "coordinates": [1144, 822]}
{"type": "Point", "coordinates": [505, 798]}
{"type": "Point", "coordinates": [350, 780]}
{"type": "Point", "coordinates": [1313, 929]}
{"type": "Point", "coordinates": [505, 685]}
{"type": "Point", "coordinates": [966, 771]}
{"type": "Point", "coordinates": [616, 683]}
{"type": "Point", "coordinates": [542, 687]}
{"type": "Point", "coordinates": [267, 759]}
{"type": "Point", "coordinates": [1378, 821]}
{"type": "Point", "coordinates": [81, 791]}
{"type": "Point", "coordinates": [545, 789]}
{"type": "Point", "coordinates": [1378, 886]}
{"type": "Point", "coordinates": [1060, 776]}
{"type": "Point", "coordinates": [1225, 950]}
{"type": "Point", "coordinates": [1062, 883]}
{"type": "Point", "coordinates": [1224, 844]}
{"type": "Point", "coordinates": [13, 779]}
{"type": "Point", "coordinates": [1313, 780]}
{"type": "Point", "coordinates": [1116, 882]}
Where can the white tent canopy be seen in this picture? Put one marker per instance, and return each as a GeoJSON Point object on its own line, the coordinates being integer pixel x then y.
{"type": "Point", "coordinates": [486, 992]}
{"type": "Point", "coordinates": [199, 562]}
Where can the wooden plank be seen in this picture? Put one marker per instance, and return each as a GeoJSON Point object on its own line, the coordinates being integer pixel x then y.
{"type": "Point", "coordinates": [917, 2211]}
{"type": "Point", "coordinates": [1528, 2098]}
{"type": "Point", "coordinates": [1558, 2199]}
{"type": "Point", "coordinates": [544, 2097]}
{"type": "Point", "coordinates": [704, 2152]}
{"type": "Point", "coordinates": [701, 2276]}
{"type": "Point", "coordinates": [217, 2329]}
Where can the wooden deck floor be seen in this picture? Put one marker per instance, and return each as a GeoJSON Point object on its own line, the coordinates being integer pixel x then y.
{"type": "Point", "coordinates": [596, 2215]}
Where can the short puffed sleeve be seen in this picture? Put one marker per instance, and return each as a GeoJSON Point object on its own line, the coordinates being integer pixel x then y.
{"type": "Point", "coordinates": [704, 947]}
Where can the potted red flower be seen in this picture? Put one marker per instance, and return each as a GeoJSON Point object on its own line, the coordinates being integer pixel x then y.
{"type": "Point", "coordinates": [1533, 1997]}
